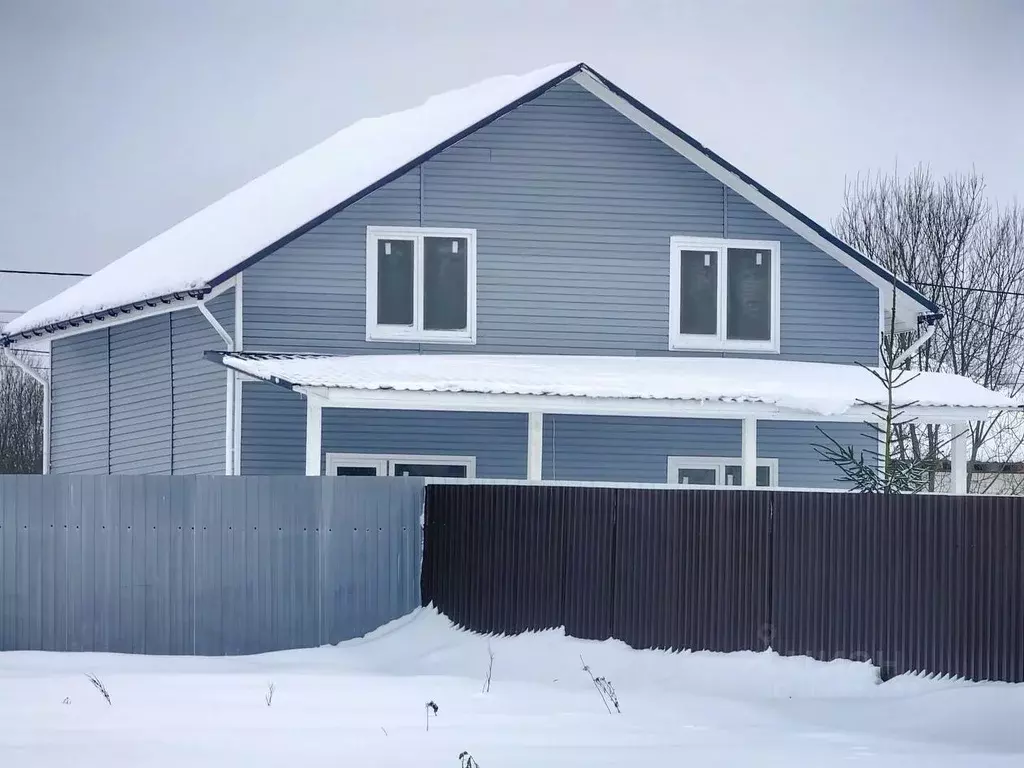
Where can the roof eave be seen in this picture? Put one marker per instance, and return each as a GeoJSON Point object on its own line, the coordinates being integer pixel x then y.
{"type": "Point", "coordinates": [103, 318]}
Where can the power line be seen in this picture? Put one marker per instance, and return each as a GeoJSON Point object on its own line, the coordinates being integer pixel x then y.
{"type": "Point", "coordinates": [43, 272]}
{"type": "Point", "coordinates": [970, 288]}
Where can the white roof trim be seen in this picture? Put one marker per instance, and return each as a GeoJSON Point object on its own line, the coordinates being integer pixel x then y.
{"type": "Point", "coordinates": [709, 387]}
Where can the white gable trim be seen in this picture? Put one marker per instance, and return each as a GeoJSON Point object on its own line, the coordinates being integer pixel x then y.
{"type": "Point", "coordinates": [907, 308]}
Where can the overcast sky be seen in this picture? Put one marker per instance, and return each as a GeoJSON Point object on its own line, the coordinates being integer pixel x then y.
{"type": "Point", "coordinates": [119, 118]}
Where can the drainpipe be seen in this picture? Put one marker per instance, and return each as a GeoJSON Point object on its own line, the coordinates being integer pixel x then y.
{"type": "Point", "coordinates": [44, 382]}
{"type": "Point", "coordinates": [929, 332]}
{"type": "Point", "coordinates": [229, 394]}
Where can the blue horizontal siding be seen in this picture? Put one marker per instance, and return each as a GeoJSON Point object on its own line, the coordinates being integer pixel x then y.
{"type": "Point", "coordinates": [80, 404]}
{"type": "Point", "coordinates": [581, 448]}
{"type": "Point", "coordinates": [139, 398]}
{"type": "Point", "coordinates": [574, 207]}
{"type": "Point", "coordinates": [274, 434]}
{"type": "Point", "coordinates": [631, 449]}
{"type": "Point", "coordinates": [199, 389]}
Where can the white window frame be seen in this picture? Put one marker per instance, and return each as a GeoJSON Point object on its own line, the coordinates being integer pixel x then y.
{"type": "Point", "coordinates": [416, 333]}
{"type": "Point", "coordinates": [718, 463]}
{"type": "Point", "coordinates": [385, 462]}
{"type": "Point", "coordinates": [718, 341]}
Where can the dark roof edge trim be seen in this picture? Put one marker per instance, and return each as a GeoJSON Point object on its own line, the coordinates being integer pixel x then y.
{"type": "Point", "coordinates": [281, 242]}
{"type": "Point", "coordinates": [871, 264]}
{"type": "Point", "coordinates": [198, 294]}
{"type": "Point", "coordinates": [217, 356]}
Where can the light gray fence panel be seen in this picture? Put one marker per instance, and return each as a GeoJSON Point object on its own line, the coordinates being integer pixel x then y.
{"type": "Point", "coordinates": [210, 553]}
{"type": "Point", "coordinates": [203, 565]}
{"type": "Point", "coordinates": [8, 571]}
{"type": "Point", "coordinates": [371, 553]}
{"type": "Point", "coordinates": [181, 563]}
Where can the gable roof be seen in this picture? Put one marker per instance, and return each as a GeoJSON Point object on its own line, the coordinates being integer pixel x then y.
{"type": "Point", "coordinates": [192, 258]}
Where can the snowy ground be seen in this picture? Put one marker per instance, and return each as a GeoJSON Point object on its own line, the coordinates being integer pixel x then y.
{"type": "Point", "coordinates": [362, 704]}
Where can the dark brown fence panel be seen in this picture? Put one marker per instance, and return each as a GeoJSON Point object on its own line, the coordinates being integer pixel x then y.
{"type": "Point", "coordinates": [911, 583]}
{"type": "Point", "coordinates": [589, 538]}
{"type": "Point", "coordinates": [692, 569]}
{"type": "Point", "coordinates": [914, 583]}
{"type": "Point", "coordinates": [494, 562]}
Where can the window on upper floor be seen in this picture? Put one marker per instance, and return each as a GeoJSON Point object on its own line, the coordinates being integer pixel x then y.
{"type": "Point", "coordinates": [724, 294]}
{"type": "Point", "coordinates": [421, 284]}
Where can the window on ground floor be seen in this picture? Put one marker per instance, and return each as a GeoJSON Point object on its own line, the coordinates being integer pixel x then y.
{"type": "Point", "coordinates": [699, 470]}
{"type": "Point", "coordinates": [394, 465]}
{"type": "Point", "coordinates": [421, 284]}
{"type": "Point", "coordinates": [724, 294]}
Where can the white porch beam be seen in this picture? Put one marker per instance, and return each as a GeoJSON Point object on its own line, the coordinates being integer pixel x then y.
{"type": "Point", "coordinates": [748, 455]}
{"type": "Point", "coordinates": [535, 441]}
{"type": "Point", "coordinates": [389, 399]}
{"type": "Point", "coordinates": [314, 430]}
{"type": "Point", "coordinates": [958, 457]}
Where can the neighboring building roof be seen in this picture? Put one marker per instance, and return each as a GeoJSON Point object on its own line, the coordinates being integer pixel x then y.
{"type": "Point", "coordinates": [190, 259]}
{"type": "Point", "coordinates": [820, 389]}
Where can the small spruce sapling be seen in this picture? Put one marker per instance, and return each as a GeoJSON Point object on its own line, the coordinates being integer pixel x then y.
{"type": "Point", "coordinates": [879, 471]}
{"type": "Point", "coordinates": [98, 685]}
{"type": "Point", "coordinates": [432, 709]}
{"type": "Point", "coordinates": [490, 670]}
{"type": "Point", "coordinates": [604, 688]}
{"type": "Point", "coordinates": [269, 697]}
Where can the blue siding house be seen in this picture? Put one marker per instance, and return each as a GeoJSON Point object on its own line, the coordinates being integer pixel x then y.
{"type": "Point", "coordinates": [416, 295]}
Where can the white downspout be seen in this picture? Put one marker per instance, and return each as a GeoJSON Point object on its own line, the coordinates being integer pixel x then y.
{"type": "Point", "coordinates": [915, 346]}
{"type": "Point", "coordinates": [43, 381]}
{"type": "Point", "coordinates": [229, 394]}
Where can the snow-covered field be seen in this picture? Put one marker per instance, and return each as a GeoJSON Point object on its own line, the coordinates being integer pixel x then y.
{"type": "Point", "coordinates": [363, 704]}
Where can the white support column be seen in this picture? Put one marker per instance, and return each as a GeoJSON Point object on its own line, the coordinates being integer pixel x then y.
{"type": "Point", "coordinates": [535, 443]}
{"type": "Point", "coordinates": [229, 423]}
{"type": "Point", "coordinates": [314, 421]}
{"type": "Point", "coordinates": [958, 456]}
{"type": "Point", "coordinates": [748, 456]}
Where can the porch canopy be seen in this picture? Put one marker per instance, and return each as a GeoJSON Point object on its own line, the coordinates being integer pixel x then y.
{"type": "Point", "coordinates": [683, 387]}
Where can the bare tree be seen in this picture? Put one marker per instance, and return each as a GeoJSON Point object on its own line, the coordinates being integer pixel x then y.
{"type": "Point", "coordinates": [945, 237]}
{"type": "Point", "coordinates": [21, 419]}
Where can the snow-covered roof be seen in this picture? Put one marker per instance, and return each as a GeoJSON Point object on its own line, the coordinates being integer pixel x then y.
{"type": "Point", "coordinates": [193, 254]}
{"type": "Point", "coordinates": [207, 249]}
{"type": "Point", "coordinates": [822, 389]}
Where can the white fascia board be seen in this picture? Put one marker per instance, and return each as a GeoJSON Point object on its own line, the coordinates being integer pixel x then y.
{"type": "Point", "coordinates": [333, 397]}
{"type": "Point", "coordinates": [907, 307]}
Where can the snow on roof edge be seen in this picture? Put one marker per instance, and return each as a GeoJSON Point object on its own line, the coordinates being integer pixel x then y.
{"type": "Point", "coordinates": [823, 389]}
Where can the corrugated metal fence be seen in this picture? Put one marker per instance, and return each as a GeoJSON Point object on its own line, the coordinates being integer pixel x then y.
{"type": "Point", "coordinates": [913, 583]}
{"type": "Point", "coordinates": [203, 565]}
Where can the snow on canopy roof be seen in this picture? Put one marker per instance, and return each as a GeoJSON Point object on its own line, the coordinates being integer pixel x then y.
{"type": "Point", "coordinates": [816, 388]}
{"type": "Point", "coordinates": [192, 254]}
